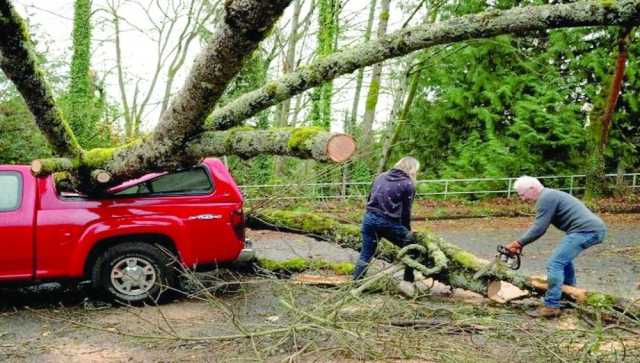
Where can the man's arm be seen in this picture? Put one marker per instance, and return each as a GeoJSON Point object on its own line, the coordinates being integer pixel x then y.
{"type": "Point", "coordinates": [545, 211]}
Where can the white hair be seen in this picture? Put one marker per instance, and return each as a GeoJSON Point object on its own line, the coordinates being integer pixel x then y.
{"type": "Point", "coordinates": [526, 182]}
{"type": "Point", "coordinates": [409, 165]}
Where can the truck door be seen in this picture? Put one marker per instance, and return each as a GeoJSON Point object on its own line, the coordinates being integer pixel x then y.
{"type": "Point", "coordinates": [17, 204]}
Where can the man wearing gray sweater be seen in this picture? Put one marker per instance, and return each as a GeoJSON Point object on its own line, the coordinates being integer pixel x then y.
{"type": "Point", "coordinates": [583, 230]}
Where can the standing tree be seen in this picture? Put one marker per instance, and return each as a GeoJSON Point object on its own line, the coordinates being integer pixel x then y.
{"type": "Point", "coordinates": [328, 11]}
{"type": "Point", "coordinates": [601, 126]}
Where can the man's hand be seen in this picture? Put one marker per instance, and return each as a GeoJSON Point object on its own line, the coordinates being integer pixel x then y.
{"type": "Point", "coordinates": [514, 248]}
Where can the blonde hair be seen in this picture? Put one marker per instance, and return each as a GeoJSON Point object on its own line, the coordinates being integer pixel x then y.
{"type": "Point", "coordinates": [409, 165]}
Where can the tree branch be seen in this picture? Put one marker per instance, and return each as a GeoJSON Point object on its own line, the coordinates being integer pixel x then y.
{"type": "Point", "coordinates": [18, 61]}
{"type": "Point", "coordinates": [405, 41]}
{"type": "Point", "coordinates": [246, 24]}
{"type": "Point", "coordinates": [305, 143]}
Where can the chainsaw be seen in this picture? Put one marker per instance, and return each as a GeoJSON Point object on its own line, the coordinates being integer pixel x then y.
{"type": "Point", "coordinates": [510, 259]}
{"type": "Point", "coordinates": [503, 258]}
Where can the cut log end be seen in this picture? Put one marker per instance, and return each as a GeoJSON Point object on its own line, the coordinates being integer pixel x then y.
{"type": "Point", "coordinates": [340, 148]}
{"type": "Point", "coordinates": [36, 167]}
{"type": "Point", "coordinates": [502, 292]}
{"type": "Point", "coordinates": [101, 176]}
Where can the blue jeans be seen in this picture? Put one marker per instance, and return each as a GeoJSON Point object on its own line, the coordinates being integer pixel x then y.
{"type": "Point", "coordinates": [560, 267]}
{"type": "Point", "coordinates": [375, 226]}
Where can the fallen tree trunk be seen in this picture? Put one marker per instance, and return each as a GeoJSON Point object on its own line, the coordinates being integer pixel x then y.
{"type": "Point", "coordinates": [305, 143]}
{"type": "Point", "coordinates": [462, 269]}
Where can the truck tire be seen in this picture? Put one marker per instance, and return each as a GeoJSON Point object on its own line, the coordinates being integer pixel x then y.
{"type": "Point", "coordinates": [135, 272]}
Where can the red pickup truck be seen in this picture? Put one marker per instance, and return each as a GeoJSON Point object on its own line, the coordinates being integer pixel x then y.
{"type": "Point", "coordinates": [130, 243]}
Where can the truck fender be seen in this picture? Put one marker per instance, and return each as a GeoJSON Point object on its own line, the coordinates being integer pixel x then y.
{"type": "Point", "coordinates": [171, 227]}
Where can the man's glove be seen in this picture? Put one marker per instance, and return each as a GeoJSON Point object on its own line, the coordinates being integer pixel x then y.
{"type": "Point", "coordinates": [514, 248]}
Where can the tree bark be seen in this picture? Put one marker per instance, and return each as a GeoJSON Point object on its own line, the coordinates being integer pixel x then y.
{"type": "Point", "coordinates": [80, 87]}
{"type": "Point", "coordinates": [595, 181]}
{"type": "Point", "coordinates": [320, 114]}
{"type": "Point", "coordinates": [246, 24]}
{"type": "Point", "coordinates": [616, 85]}
{"type": "Point", "coordinates": [400, 122]}
{"type": "Point", "coordinates": [305, 143]}
{"type": "Point", "coordinates": [289, 62]}
{"type": "Point", "coordinates": [360, 76]}
{"type": "Point", "coordinates": [288, 65]}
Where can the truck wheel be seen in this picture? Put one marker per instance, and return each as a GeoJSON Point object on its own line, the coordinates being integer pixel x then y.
{"type": "Point", "coordinates": [134, 272]}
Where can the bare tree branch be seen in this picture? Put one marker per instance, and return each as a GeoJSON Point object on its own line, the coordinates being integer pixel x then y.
{"type": "Point", "coordinates": [245, 25]}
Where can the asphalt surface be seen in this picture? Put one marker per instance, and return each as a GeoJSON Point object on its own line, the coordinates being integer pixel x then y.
{"type": "Point", "coordinates": [612, 267]}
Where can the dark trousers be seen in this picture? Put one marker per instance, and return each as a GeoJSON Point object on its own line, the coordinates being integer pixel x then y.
{"type": "Point", "coordinates": [374, 227]}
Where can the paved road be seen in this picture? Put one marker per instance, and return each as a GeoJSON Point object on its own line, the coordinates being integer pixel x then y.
{"type": "Point", "coordinates": [613, 266]}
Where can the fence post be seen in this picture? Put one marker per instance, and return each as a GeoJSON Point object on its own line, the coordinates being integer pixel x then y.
{"type": "Point", "coordinates": [446, 188]}
{"type": "Point", "coordinates": [634, 181]}
{"type": "Point", "coordinates": [509, 188]}
{"type": "Point", "coordinates": [571, 185]}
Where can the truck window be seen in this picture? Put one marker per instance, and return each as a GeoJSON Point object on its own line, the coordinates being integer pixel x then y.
{"type": "Point", "coordinates": [10, 191]}
{"type": "Point", "coordinates": [193, 181]}
{"type": "Point", "coordinates": [188, 181]}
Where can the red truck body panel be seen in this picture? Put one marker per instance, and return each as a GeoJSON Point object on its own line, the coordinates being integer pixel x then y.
{"type": "Point", "coordinates": [51, 236]}
{"type": "Point", "coordinates": [17, 236]}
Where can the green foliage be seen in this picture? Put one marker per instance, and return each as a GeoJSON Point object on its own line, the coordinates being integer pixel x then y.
{"type": "Point", "coordinates": [20, 138]}
{"type": "Point", "coordinates": [601, 301]}
{"type": "Point", "coordinates": [513, 105]}
{"type": "Point", "coordinates": [84, 103]}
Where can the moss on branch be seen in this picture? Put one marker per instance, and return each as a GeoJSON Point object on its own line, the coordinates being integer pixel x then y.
{"type": "Point", "coordinates": [299, 264]}
{"type": "Point", "coordinates": [304, 143]}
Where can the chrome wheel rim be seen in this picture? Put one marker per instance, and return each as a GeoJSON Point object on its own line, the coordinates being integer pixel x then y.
{"type": "Point", "coordinates": [133, 276]}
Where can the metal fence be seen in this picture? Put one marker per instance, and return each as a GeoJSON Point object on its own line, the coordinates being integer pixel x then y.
{"type": "Point", "coordinates": [433, 188]}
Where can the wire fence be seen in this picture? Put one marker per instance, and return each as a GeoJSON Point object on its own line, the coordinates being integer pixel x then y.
{"type": "Point", "coordinates": [431, 188]}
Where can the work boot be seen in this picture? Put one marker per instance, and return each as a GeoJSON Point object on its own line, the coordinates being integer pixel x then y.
{"type": "Point", "coordinates": [545, 312]}
{"type": "Point", "coordinates": [407, 289]}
